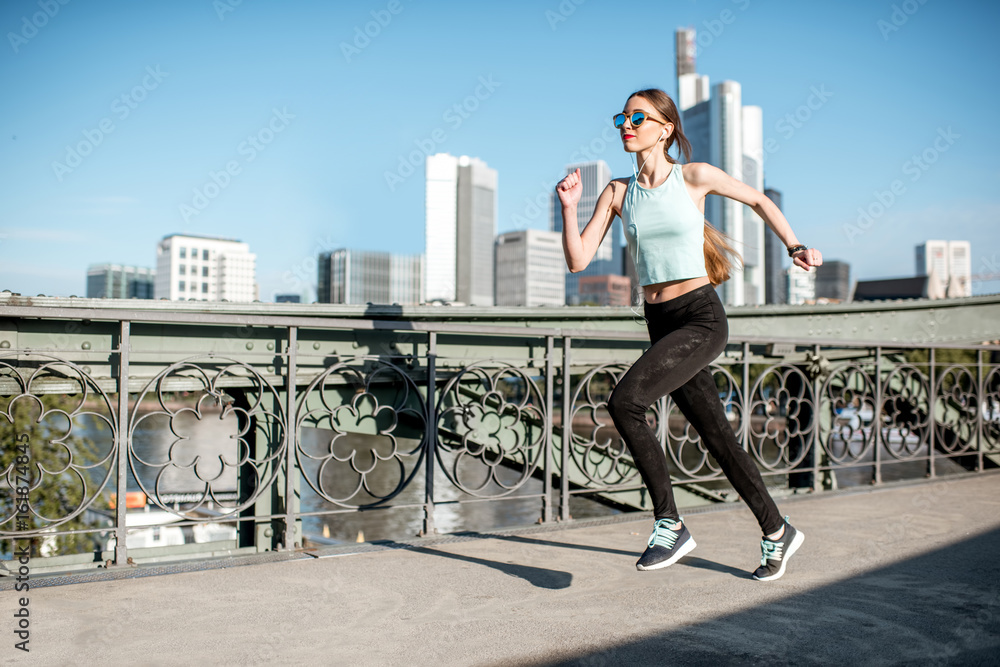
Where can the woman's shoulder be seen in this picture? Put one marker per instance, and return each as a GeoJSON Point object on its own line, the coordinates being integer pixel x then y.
{"type": "Point", "coordinates": [697, 172]}
{"type": "Point", "coordinates": [618, 185]}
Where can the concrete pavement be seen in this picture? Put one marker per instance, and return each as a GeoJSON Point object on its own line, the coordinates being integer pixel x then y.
{"type": "Point", "coordinates": [900, 575]}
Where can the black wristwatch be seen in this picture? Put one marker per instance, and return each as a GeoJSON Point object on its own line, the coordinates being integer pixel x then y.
{"type": "Point", "coordinates": [796, 249]}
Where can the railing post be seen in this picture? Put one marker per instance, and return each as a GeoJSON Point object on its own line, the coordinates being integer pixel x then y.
{"type": "Point", "coordinates": [549, 387]}
{"type": "Point", "coordinates": [124, 345]}
{"type": "Point", "coordinates": [567, 432]}
{"type": "Point", "coordinates": [431, 430]}
{"type": "Point", "coordinates": [931, 408]}
{"type": "Point", "coordinates": [291, 438]}
{"type": "Point", "coordinates": [746, 396]}
{"type": "Point", "coordinates": [816, 414]}
{"type": "Point", "coordinates": [877, 417]}
{"type": "Point", "coordinates": [981, 400]}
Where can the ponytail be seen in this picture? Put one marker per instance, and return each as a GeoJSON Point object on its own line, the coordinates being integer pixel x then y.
{"type": "Point", "coordinates": [719, 255]}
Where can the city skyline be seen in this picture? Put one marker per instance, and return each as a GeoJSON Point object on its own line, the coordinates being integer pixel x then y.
{"type": "Point", "coordinates": [116, 134]}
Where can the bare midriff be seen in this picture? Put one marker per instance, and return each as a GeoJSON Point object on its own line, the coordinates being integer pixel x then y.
{"type": "Point", "coordinates": [672, 289]}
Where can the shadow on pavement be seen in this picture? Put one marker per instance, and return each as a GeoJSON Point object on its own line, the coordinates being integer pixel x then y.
{"type": "Point", "coordinates": [701, 563]}
{"type": "Point", "coordinates": [536, 576]}
{"type": "Point", "coordinates": [942, 607]}
{"type": "Point", "coordinates": [549, 543]}
{"type": "Point", "coordinates": [690, 561]}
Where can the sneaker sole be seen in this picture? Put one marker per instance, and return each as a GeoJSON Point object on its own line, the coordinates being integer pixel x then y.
{"type": "Point", "coordinates": [682, 551]}
{"type": "Point", "coordinates": [792, 548]}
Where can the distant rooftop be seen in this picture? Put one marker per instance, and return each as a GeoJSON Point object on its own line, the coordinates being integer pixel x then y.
{"type": "Point", "coordinates": [891, 288]}
{"type": "Point", "coordinates": [201, 236]}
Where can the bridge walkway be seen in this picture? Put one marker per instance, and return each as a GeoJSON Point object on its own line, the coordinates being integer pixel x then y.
{"type": "Point", "coordinates": [895, 575]}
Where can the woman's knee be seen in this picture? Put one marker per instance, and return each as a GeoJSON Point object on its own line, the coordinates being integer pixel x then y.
{"type": "Point", "coordinates": [621, 405]}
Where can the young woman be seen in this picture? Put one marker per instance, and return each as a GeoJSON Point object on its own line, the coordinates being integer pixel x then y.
{"type": "Point", "coordinates": [679, 258]}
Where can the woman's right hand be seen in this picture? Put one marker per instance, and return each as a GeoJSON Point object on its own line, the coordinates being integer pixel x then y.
{"type": "Point", "coordinates": [570, 189]}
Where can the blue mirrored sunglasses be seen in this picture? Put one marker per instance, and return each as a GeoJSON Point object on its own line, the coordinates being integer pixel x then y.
{"type": "Point", "coordinates": [637, 118]}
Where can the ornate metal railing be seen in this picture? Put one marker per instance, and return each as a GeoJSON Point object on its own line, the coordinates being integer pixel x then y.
{"type": "Point", "coordinates": [266, 421]}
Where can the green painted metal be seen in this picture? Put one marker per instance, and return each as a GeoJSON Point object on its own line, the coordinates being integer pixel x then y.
{"type": "Point", "coordinates": [439, 341]}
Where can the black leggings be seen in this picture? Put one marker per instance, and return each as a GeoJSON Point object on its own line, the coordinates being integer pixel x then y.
{"type": "Point", "coordinates": [687, 333]}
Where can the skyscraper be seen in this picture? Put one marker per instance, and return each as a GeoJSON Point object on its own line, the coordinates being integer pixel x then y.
{"type": "Point", "coordinates": [833, 280]}
{"type": "Point", "coordinates": [726, 153]}
{"type": "Point", "coordinates": [753, 225]}
{"type": "Point", "coordinates": [440, 228]}
{"type": "Point", "coordinates": [692, 87]}
{"type": "Point", "coordinates": [530, 267]}
{"type": "Point", "coordinates": [461, 214]}
{"type": "Point", "coordinates": [594, 177]}
{"type": "Point", "coordinates": [205, 268]}
{"type": "Point", "coordinates": [358, 277]}
{"type": "Point", "coordinates": [948, 266]}
{"type": "Point", "coordinates": [774, 254]}
{"type": "Point", "coordinates": [729, 136]}
{"type": "Point", "coordinates": [801, 285]}
{"type": "Point", "coordinates": [959, 268]}
{"type": "Point", "coordinates": [114, 281]}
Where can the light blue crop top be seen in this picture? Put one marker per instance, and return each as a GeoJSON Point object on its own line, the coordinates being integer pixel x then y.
{"type": "Point", "coordinates": [665, 230]}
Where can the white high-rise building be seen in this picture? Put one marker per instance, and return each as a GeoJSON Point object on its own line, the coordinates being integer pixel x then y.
{"type": "Point", "coordinates": [726, 153]}
{"type": "Point", "coordinates": [801, 285]}
{"type": "Point", "coordinates": [692, 87]}
{"type": "Point", "coordinates": [959, 268]}
{"type": "Point", "coordinates": [530, 269]}
{"type": "Point", "coordinates": [753, 225]}
{"type": "Point", "coordinates": [948, 266]}
{"type": "Point", "coordinates": [204, 268]}
{"type": "Point", "coordinates": [461, 214]}
{"type": "Point", "coordinates": [441, 223]}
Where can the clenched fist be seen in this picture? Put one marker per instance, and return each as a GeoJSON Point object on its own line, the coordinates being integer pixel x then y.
{"type": "Point", "coordinates": [570, 189]}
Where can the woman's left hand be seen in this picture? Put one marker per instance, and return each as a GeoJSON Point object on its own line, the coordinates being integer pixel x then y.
{"type": "Point", "coordinates": [808, 257]}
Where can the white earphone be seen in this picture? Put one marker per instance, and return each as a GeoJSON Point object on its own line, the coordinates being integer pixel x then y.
{"type": "Point", "coordinates": [663, 135]}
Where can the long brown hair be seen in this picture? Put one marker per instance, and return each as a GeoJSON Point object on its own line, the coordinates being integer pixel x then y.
{"type": "Point", "coordinates": [719, 253]}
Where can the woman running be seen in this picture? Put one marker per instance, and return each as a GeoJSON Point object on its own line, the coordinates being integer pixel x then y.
{"type": "Point", "coordinates": [679, 259]}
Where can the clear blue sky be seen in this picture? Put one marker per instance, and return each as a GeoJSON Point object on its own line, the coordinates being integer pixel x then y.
{"type": "Point", "coordinates": [198, 81]}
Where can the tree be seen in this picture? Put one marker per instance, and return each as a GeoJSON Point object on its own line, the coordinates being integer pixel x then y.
{"type": "Point", "coordinates": [48, 454]}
